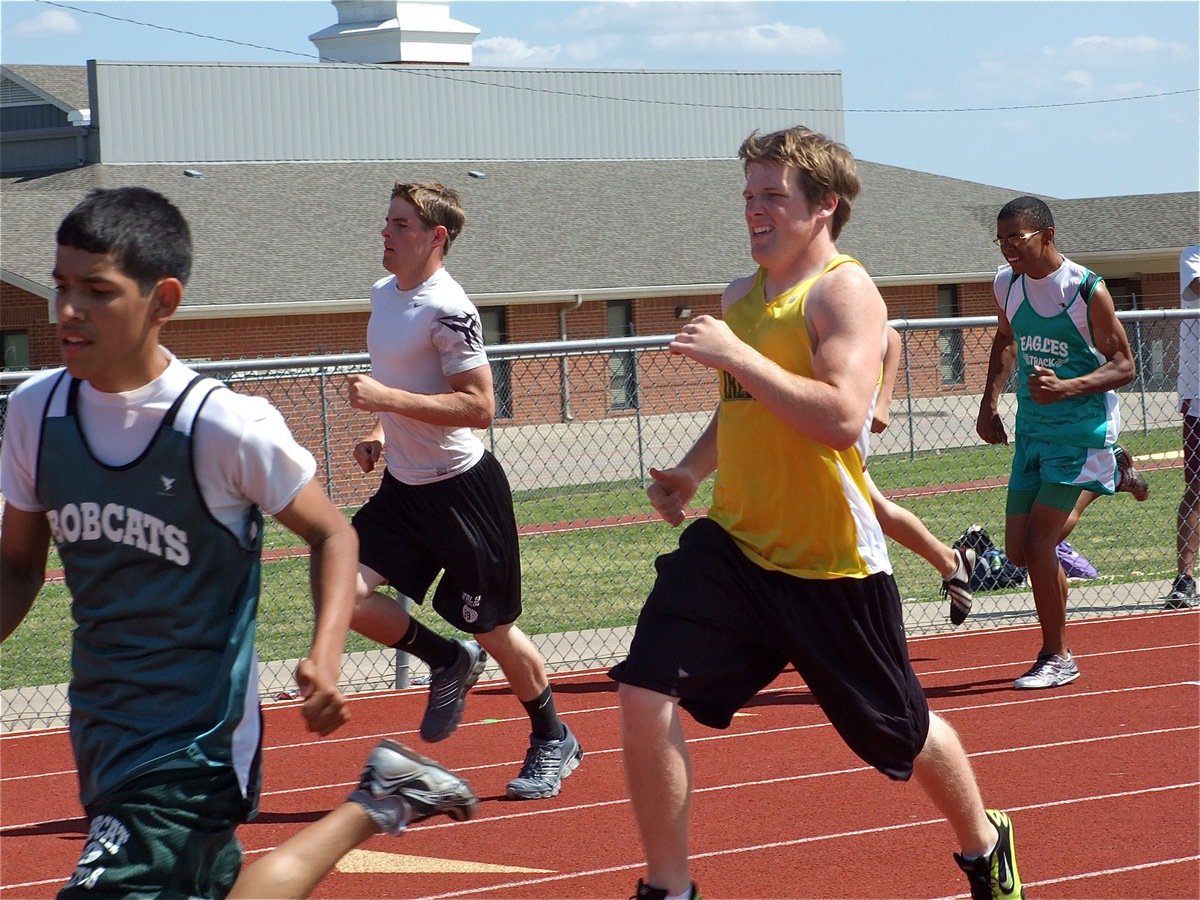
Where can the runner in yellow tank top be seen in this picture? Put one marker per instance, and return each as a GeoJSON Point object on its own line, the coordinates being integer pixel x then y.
{"type": "Point", "coordinates": [789, 566]}
{"type": "Point", "coordinates": [790, 501]}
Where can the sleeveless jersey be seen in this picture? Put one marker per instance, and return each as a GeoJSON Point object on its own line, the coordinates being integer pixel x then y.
{"type": "Point", "coordinates": [164, 673]}
{"type": "Point", "coordinates": [1061, 342]}
{"type": "Point", "coordinates": [790, 502]}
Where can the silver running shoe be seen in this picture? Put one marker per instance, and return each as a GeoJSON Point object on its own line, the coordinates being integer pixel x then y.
{"type": "Point", "coordinates": [957, 588]}
{"type": "Point", "coordinates": [547, 763]}
{"type": "Point", "coordinates": [448, 689]}
{"type": "Point", "coordinates": [399, 786]}
{"type": "Point", "coordinates": [1050, 670]}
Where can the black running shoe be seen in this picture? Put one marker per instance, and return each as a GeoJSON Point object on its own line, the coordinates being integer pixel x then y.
{"type": "Point", "coordinates": [994, 877]}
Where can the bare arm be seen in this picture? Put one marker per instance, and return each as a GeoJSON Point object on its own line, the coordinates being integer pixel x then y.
{"type": "Point", "coordinates": [24, 547]}
{"type": "Point", "coordinates": [891, 365]}
{"type": "Point", "coordinates": [1003, 355]}
{"type": "Point", "coordinates": [846, 317]}
{"type": "Point", "coordinates": [333, 569]}
{"type": "Point", "coordinates": [470, 402]}
{"type": "Point", "coordinates": [672, 489]}
{"type": "Point", "coordinates": [1109, 336]}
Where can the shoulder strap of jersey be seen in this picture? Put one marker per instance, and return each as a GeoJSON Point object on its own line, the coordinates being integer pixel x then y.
{"type": "Point", "coordinates": [1087, 287]}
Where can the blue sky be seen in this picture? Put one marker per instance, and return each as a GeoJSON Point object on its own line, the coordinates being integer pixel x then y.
{"type": "Point", "coordinates": [1033, 96]}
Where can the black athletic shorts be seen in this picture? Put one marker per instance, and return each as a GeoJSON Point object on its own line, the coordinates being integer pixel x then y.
{"type": "Point", "coordinates": [463, 526]}
{"type": "Point", "coordinates": [717, 628]}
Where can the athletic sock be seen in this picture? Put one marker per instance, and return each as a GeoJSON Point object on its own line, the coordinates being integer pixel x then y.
{"type": "Point", "coordinates": [543, 717]}
{"type": "Point", "coordinates": [990, 851]}
{"type": "Point", "coordinates": [431, 648]}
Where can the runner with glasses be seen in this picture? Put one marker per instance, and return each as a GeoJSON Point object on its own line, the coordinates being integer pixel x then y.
{"type": "Point", "coordinates": [1058, 325]}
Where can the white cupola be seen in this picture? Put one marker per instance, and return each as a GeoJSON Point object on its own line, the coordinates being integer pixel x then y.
{"type": "Point", "coordinates": [399, 32]}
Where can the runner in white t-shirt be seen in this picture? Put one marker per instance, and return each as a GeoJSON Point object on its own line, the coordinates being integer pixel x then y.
{"type": "Point", "coordinates": [444, 507]}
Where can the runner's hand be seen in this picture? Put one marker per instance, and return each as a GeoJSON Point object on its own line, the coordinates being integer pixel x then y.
{"type": "Point", "coordinates": [670, 492]}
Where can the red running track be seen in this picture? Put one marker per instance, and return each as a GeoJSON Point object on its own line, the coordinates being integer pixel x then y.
{"type": "Point", "coordinates": [1101, 778]}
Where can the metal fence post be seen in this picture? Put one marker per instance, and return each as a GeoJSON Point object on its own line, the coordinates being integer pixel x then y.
{"type": "Point", "coordinates": [403, 676]}
{"type": "Point", "coordinates": [1139, 359]}
{"type": "Point", "coordinates": [325, 439]}
{"type": "Point", "coordinates": [908, 395]}
{"type": "Point", "coordinates": [637, 414]}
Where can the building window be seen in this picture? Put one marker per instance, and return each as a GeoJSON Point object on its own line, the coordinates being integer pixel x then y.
{"type": "Point", "coordinates": [622, 383]}
{"type": "Point", "coordinates": [495, 331]}
{"type": "Point", "coordinates": [15, 347]}
{"type": "Point", "coordinates": [950, 340]}
{"type": "Point", "coordinates": [1124, 292]}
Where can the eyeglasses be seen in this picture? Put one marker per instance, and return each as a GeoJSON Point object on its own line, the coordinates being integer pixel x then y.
{"type": "Point", "coordinates": [1015, 239]}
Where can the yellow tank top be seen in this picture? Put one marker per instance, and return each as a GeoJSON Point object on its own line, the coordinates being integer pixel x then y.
{"type": "Point", "coordinates": [791, 503]}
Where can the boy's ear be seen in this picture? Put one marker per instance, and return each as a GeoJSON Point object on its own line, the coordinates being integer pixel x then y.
{"type": "Point", "coordinates": [165, 299]}
{"type": "Point", "coordinates": [829, 205]}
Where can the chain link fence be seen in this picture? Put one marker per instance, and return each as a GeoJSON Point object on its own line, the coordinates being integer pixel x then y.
{"type": "Point", "coordinates": [579, 425]}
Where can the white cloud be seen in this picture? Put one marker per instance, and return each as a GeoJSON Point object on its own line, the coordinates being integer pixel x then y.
{"type": "Point", "coordinates": [651, 33]}
{"type": "Point", "coordinates": [506, 51]}
{"type": "Point", "coordinates": [1133, 50]}
{"type": "Point", "coordinates": [1017, 126]}
{"type": "Point", "coordinates": [1081, 78]}
{"type": "Point", "coordinates": [1133, 88]}
{"type": "Point", "coordinates": [772, 39]}
{"type": "Point", "coordinates": [604, 48]}
{"type": "Point", "coordinates": [1088, 64]}
{"type": "Point", "coordinates": [662, 16]}
{"type": "Point", "coordinates": [47, 24]}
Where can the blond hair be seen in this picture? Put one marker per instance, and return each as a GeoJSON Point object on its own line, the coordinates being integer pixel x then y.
{"type": "Point", "coordinates": [823, 166]}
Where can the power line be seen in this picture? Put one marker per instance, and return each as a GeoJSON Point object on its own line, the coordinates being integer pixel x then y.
{"type": "Point", "coordinates": [587, 96]}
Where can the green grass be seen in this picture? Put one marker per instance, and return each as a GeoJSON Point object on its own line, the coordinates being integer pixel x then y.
{"type": "Point", "coordinates": [599, 577]}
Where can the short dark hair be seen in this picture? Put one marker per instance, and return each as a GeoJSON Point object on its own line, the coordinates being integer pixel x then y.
{"type": "Point", "coordinates": [145, 234]}
{"type": "Point", "coordinates": [1031, 209]}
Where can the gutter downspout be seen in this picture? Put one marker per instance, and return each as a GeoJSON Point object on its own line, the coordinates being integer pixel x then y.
{"type": "Point", "coordinates": [564, 367]}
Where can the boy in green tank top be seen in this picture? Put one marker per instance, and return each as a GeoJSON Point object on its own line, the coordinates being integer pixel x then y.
{"type": "Point", "coordinates": [152, 481]}
{"type": "Point", "coordinates": [1058, 325]}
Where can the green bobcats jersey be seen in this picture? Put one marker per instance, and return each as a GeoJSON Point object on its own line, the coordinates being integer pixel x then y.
{"type": "Point", "coordinates": [164, 599]}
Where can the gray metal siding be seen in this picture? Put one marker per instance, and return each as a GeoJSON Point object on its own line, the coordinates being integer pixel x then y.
{"type": "Point", "coordinates": [223, 112]}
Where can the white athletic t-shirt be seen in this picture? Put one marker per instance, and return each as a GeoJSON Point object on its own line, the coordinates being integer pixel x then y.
{"type": "Point", "coordinates": [1189, 330]}
{"type": "Point", "coordinates": [417, 339]}
{"type": "Point", "coordinates": [244, 452]}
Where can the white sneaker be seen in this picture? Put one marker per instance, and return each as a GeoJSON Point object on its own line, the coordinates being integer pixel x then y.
{"type": "Point", "coordinates": [1050, 670]}
{"type": "Point", "coordinates": [399, 786]}
{"type": "Point", "coordinates": [957, 588]}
